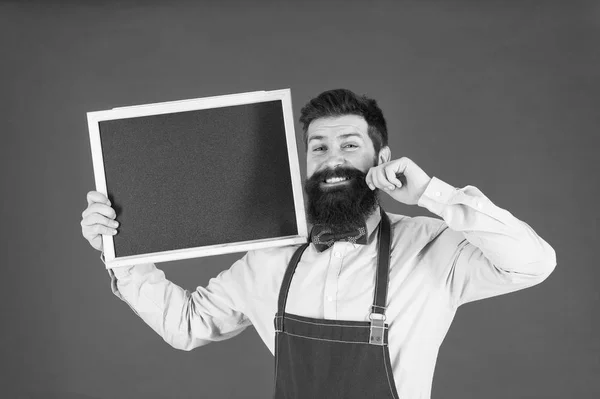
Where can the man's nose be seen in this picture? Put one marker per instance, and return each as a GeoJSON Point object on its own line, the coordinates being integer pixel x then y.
{"type": "Point", "coordinates": [334, 160]}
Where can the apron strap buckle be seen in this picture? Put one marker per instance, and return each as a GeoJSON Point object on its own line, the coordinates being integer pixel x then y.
{"type": "Point", "coordinates": [376, 337]}
{"type": "Point", "coordinates": [278, 323]}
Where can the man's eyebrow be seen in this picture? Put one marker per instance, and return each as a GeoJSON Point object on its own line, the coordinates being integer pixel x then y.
{"type": "Point", "coordinates": [345, 136]}
{"type": "Point", "coordinates": [342, 136]}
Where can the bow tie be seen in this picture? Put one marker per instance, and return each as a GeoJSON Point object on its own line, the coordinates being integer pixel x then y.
{"type": "Point", "coordinates": [323, 237]}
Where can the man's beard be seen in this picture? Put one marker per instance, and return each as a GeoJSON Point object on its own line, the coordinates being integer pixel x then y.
{"type": "Point", "coordinates": [340, 208]}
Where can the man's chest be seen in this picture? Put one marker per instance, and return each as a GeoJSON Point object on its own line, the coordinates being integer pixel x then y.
{"type": "Point", "coordinates": [338, 289]}
{"type": "Point", "coordinates": [341, 286]}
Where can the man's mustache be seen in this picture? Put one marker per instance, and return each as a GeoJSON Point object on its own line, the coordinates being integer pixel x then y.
{"type": "Point", "coordinates": [345, 172]}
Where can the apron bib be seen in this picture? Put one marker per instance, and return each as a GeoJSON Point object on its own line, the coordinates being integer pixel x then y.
{"type": "Point", "coordinates": [320, 358]}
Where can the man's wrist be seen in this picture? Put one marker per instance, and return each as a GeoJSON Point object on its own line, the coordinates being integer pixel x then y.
{"type": "Point", "coordinates": [423, 189]}
{"type": "Point", "coordinates": [436, 196]}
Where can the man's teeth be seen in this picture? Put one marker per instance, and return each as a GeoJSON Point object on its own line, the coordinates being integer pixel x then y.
{"type": "Point", "coordinates": [335, 179]}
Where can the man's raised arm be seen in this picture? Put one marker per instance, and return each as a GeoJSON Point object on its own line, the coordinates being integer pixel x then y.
{"type": "Point", "coordinates": [484, 250]}
{"type": "Point", "coordinates": [481, 250]}
{"type": "Point", "coordinates": [183, 319]}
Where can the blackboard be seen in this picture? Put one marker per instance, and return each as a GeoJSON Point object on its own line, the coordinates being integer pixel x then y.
{"type": "Point", "coordinates": [199, 177]}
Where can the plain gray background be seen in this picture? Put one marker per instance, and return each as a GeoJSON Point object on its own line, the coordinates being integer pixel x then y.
{"type": "Point", "coordinates": [500, 95]}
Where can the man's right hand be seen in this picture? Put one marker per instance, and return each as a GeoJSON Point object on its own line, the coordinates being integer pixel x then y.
{"type": "Point", "coordinates": [97, 219]}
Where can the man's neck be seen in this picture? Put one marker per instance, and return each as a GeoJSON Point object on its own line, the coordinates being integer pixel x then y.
{"type": "Point", "coordinates": [371, 222]}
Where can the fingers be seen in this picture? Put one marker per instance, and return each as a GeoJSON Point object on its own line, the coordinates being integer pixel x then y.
{"type": "Point", "coordinates": [96, 223]}
{"type": "Point", "coordinates": [96, 196]}
{"type": "Point", "coordinates": [383, 177]}
{"type": "Point", "coordinates": [91, 232]}
{"type": "Point", "coordinates": [94, 234]}
{"type": "Point", "coordinates": [99, 208]}
{"type": "Point", "coordinates": [98, 219]}
{"type": "Point", "coordinates": [390, 174]}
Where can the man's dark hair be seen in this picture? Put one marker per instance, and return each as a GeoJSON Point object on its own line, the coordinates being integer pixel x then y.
{"type": "Point", "coordinates": [340, 102]}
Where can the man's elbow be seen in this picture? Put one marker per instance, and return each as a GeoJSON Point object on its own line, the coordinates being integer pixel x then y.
{"type": "Point", "coordinates": [186, 343]}
{"type": "Point", "coordinates": [183, 339]}
{"type": "Point", "coordinates": [545, 264]}
{"type": "Point", "coordinates": [548, 259]}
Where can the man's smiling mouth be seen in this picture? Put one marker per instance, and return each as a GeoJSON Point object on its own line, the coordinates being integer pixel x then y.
{"type": "Point", "coordinates": [335, 181]}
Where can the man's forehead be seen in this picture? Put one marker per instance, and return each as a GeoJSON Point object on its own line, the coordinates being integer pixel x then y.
{"type": "Point", "coordinates": [338, 124]}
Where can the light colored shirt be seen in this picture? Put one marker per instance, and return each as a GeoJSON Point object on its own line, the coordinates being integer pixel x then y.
{"type": "Point", "coordinates": [477, 251]}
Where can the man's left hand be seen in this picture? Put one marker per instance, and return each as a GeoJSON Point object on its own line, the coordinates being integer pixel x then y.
{"type": "Point", "coordinates": [384, 177]}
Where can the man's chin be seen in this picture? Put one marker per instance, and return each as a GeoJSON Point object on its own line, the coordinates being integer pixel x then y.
{"type": "Point", "coordinates": [346, 202]}
{"type": "Point", "coordinates": [337, 210]}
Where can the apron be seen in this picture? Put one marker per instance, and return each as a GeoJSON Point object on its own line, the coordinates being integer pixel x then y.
{"type": "Point", "coordinates": [320, 358]}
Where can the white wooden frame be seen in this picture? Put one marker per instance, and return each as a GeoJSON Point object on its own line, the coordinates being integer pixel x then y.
{"type": "Point", "coordinates": [190, 105]}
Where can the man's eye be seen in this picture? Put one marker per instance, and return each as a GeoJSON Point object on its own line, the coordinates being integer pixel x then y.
{"type": "Point", "coordinates": [350, 146]}
{"type": "Point", "coordinates": [319, 148]}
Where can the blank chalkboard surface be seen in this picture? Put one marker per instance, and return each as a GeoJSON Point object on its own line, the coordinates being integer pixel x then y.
{"type": "Point", "coordinates": [199, 177]}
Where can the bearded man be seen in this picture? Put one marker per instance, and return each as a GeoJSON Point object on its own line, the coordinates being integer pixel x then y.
{"type": "Point", "coordinates": [361, 310]}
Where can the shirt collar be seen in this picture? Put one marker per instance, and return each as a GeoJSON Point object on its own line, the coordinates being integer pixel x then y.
{"type": "Point", "coordinates": [372, 222]}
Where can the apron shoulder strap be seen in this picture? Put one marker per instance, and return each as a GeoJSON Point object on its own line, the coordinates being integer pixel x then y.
{"type": "Point", "coordinates": [383, 265]}
{"type": "Point", "coordinates": [287, 278]}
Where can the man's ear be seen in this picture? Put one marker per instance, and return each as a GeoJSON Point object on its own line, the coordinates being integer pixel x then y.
{"type": "Point", "coordinates": [385, 155]}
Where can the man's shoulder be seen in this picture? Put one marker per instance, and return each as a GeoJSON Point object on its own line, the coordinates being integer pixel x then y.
{"type": "Point", "coordinates": [272, 253]}
{"type": "Point", "coordinates": [415, 225]}
{"type": "Point", "coordinates": [411, 235]}
{"type": "Point", "coordinates": [256, 262]}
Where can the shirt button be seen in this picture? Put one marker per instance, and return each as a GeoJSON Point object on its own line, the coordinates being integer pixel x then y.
{"type": "Point", "coordinates": [479, 205]}
{"type": "Point", "coordinates": [337, 254]}
{"type": "Point", "coordinates": [329, 298]}
{"type": "Point", "coordinates": [438, 194]}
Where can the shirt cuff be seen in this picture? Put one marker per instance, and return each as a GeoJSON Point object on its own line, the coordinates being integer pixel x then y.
{"type": "Point", "coordinates": [437, 196]}
{"type": "Point", "coordinates": [117, 272]}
